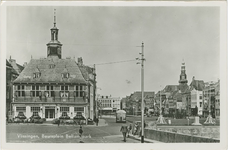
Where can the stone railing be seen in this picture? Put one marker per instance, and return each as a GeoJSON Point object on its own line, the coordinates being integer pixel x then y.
{"type": "Point", "coordinates": [174, 137]}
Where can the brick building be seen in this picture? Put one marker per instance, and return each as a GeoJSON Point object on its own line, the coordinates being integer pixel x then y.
{"type": "Point", "coordinates": [12, 72]}
{"type": "Point", "coordinates": [54, 87]}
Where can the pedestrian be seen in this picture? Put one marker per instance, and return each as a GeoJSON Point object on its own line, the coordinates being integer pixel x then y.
{"type": "Point", "coordinates": [7, 118]}
{"type": "Point", "coordinates": [58, 122]}
{"type": "Point", "coordinates": [124, 132]}
{"type": "Point", "coordinates": [97, 121]}
{"type": "Point", "coordinates": [80, 133]}
{"type": "Point", "coordinates": [129, 129]}
{"type": "Point", "coordinates": [135, 129]}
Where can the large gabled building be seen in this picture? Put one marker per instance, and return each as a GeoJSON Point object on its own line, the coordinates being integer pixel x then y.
{"type": "Point", "coordinates": [196, 91]}
{"type": "Point", "coordinates": [54, 87]}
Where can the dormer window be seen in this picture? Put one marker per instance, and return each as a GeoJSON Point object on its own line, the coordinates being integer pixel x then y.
{"type": "Point", "coordinates": [36, 75]}
{"type": "Point", "coordinates": [65, 75]}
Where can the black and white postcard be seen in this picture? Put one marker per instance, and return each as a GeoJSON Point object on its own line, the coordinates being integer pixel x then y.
{"type": "Point", "coordinates": [113, 75]}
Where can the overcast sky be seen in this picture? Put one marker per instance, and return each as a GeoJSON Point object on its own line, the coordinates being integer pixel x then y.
{"type": "Point", "coordinates": [112, 34]}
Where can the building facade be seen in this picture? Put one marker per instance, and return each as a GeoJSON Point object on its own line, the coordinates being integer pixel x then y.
{"type": "Point", "coordinates": [109, 104]}
{"type": "Point", "coordinates": [54, 87]}
{"type": "Point", "coordinates": [196, 90]}
{"type": "Point", "coordinates": [12, 72]}
{"type": "Point", "coordinates": [211, 99]}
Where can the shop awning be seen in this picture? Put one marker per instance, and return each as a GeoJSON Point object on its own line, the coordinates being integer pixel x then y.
{"type": "Point", "coordinates": [79, 116]}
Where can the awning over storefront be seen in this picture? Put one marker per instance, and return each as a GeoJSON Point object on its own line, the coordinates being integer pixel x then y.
{"type": "Point", "coordinates": [79, 116]}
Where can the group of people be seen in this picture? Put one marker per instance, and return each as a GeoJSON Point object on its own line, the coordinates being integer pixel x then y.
{"type": "Point", "coordinates": [126, 130]}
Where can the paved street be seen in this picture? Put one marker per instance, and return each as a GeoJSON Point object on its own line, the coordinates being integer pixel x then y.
{"type": "Point", "coordinates": [41, 133]}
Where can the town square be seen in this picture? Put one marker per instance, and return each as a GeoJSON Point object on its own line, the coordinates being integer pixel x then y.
{"type": "Point", "coordinates": [110, 74]}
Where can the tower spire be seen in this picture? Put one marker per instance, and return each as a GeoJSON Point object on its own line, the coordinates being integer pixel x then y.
{"type": "Point", "coordinates": [54, 46]}
{"type": "Point", "coordinates": [183, 76]}
{"type": "Point", "coordinates": [54, 18]}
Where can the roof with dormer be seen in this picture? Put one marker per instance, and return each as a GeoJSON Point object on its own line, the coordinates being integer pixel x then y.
{"type": "Point", "coordinates": [51, 74]}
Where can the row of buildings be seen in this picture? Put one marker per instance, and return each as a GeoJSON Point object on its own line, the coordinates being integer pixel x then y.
{"type": "Point", "coordinates": [108, 104]}
{"type": "Point", "coordinates": [51, 87]}
{"type": "Point", "coordinates": [197, 98]}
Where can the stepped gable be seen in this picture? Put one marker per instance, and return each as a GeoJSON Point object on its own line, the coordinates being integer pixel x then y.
{"type": "Point", "coordinates": [51, 74]}
{"type": "Point", "coordinates": [197, 85]}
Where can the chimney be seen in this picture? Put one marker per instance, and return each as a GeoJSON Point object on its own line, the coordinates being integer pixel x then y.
{"type": "Point", "coordinates": [80, 61]}
{"type": "Point", "coordinates": [25, 64]}
{"type": "Point", "coordinates": [12, 60]}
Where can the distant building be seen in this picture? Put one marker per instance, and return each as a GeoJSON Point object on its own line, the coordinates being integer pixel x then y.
{"type": "Point", "coordinates": [109, 104]}
{"type": "Point", "coordinates": [12, 72]}
{"type": "Point", "coordinates": [135, 100]}
{"type": "Point", "coordinates": [54, 87]}
{"type": "Point", "coordinates": [211, 99]}
{"type": "Point", "coordinates": [123, 103]}
{"type": "Point", "coordinates": [196, 89]}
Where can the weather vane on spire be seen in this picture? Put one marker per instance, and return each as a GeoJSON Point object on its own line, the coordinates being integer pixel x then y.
{"type": "Point", "coordinates": [54, 18]}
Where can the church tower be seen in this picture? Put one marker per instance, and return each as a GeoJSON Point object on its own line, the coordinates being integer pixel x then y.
{"type": "Point", "coordinates": [54, 47]}
{"type": "Point", "coordinates": [183, 76]}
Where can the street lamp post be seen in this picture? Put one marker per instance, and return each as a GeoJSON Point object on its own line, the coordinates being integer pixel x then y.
{"type": "Point", "coordinates": [209, 119]}
{"type": "Point", "coordinates": [142, 89]}
{"type": "Point", "coordinates": [161, 119]}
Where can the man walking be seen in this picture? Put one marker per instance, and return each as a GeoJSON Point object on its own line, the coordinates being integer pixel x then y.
{"type": "Point", "coordinates": [124, 131]}
{"type": "Point", "coordinates": [97, 121]}
{"type": "Point", "coordinates": [58, 122]}
{"type": "Point", "coordinates": [80, 134]}
{"type": "Point", "coordinates": [129, 129]}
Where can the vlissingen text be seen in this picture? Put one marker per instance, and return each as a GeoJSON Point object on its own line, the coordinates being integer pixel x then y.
{"type": "Point", "coordinates": [54, 136]}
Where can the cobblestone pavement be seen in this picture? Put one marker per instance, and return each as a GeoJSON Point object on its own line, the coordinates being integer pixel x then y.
{"type": "Point", "coordinates": [32, 133]}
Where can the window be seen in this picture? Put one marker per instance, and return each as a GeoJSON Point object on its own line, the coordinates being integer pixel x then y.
{"type": "Point", "coordinates": [66, 109]}
{"type": "Point", "coordinates": [65, 75]}
{"type": "Point", "coordinates": [50, 92]}
{"type": "Point", "coordinates": [35, 91]}
{"type": "Point", "coordinates": [200, 97]}
{"type": "Point", "coordinates": [78, 109]}
{"type": "Point", "coordinates": [64, 91]}
{"type": "Point", "coordinates": [20, 109]}
{"type": "Point", "coordinates": [200, 104]}
{"type": "Point", "coordinates": [36, 75]}
{"type": "Point", "coordinates": [20, 90]}
{"type": "Point", "coordinates": [35, 109]}
{"type": "Point", "coordinates": [79, 90]}
{"type": "Point", "coordinates": [35, 114]}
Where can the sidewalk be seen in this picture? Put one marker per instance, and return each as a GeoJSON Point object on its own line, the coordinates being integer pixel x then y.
{"type": "Point", "coordinates": [136, 137]}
